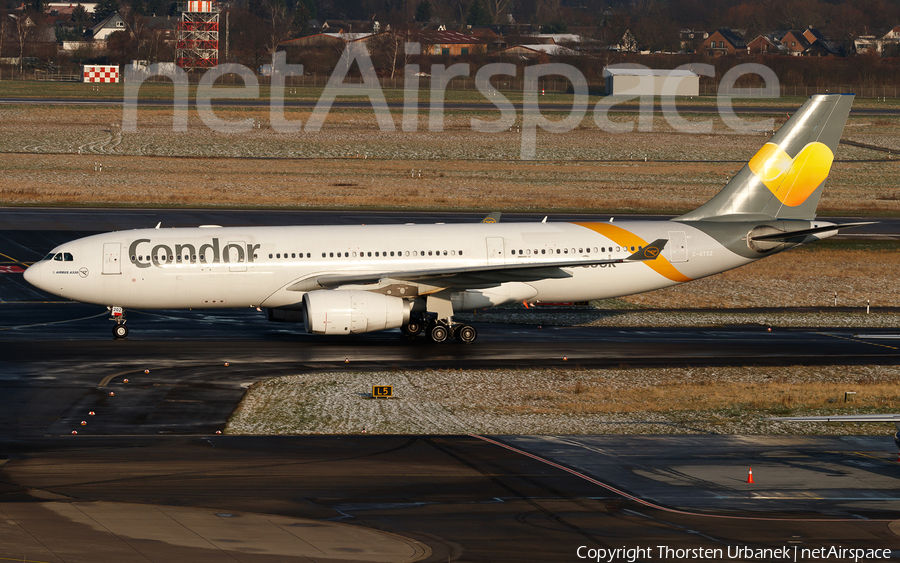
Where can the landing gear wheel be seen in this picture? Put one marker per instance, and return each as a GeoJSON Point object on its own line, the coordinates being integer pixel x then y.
{"type": "Point", "coordinates": [412, 329]}
{"type": "Point", "coordinates": [466, 334]}
{"type": "Point", "coordinates": [120, 331]}
{"type": "Point", "coordinates": [439, 333]}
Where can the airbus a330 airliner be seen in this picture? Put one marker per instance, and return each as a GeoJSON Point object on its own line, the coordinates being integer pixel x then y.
{"type": "Point", "coordinates": [357, 279]}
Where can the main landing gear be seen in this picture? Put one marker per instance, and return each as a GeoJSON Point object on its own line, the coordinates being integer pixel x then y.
{"type": "Point", "coordinates": [439, 330]}
{"type": "Point", "coordinates": [118, 315]}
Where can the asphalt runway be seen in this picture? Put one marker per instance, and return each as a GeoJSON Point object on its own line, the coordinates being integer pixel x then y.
{"type": "Point", "coordinates": [147, 477]}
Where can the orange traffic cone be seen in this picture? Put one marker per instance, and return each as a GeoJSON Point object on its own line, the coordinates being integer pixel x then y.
{"type": "Point", "coordinates": [750, 476]}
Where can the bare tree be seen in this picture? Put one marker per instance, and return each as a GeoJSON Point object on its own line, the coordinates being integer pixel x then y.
{"type": "Point", "coordinates": [25, 29]}
{"type": "Point", "coordinates": [3, 18]}
{"type": "Point", "coordinates": [389, 50]}
{"type": "Point", "coordinates": [545, 10]}
{"type": "Point", "coordinates": [497, 8]}
{"type": "Point", "coordinates": [135, 26]}
{"type": "Point", "coordinates": [280, 20]}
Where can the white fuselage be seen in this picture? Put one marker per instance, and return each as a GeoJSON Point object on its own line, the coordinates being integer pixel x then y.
{"type": "Point", "coordinates": [215, 267]}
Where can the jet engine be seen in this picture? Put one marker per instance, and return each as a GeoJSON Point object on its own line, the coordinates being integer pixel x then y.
{"type": "Point", "coordinates": [352, 312]}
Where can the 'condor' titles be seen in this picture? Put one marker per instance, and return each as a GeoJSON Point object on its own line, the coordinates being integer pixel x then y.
{"type": "Point", "coordinates": [143, 253]}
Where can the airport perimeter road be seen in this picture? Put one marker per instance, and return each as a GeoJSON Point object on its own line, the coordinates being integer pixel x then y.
{"type": "Point", "coordinates": [486, 105]}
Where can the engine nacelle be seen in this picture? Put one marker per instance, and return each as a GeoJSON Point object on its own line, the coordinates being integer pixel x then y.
{"type": "Point", "coordinates": [352, 312]}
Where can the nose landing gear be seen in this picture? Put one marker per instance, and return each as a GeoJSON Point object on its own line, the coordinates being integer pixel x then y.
{"type": "Point", "coordinates": [118, 315]}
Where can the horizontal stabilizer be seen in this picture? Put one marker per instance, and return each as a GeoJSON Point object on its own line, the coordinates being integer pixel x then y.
{"type": "Point", "coordinates": [806, 232]}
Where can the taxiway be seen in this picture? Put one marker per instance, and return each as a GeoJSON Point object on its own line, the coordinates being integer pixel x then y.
{"type": "Point", "coordinates": [147, 477]}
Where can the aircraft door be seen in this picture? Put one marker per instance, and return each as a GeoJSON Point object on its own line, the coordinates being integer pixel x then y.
{"type": "Point", "coordinates": [112, 254]}
{"type": "Point", "coordinates": [677, 246]}
{"type": "Point", "coordinates": [234, 253]}
{"type": "Point", "coordinates": [494, 250]}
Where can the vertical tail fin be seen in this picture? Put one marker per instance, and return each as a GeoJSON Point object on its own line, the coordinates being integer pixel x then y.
{"type": "Point", "coordinates": [785, 179]}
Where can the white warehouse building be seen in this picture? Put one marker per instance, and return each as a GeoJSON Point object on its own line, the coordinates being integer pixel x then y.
{"type": "Point", "coordinates": [650, 82]}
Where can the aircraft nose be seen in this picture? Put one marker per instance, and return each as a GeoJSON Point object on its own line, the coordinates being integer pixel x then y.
{"type": "Point", "coordinates": [33, 275]}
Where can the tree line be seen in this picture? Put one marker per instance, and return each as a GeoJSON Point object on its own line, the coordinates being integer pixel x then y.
{"type": "Point", "coordinates": [256, 27]}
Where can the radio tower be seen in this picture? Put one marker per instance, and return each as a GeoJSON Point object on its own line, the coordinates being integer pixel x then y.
{"type": "Point", "coordinates": [198, 35]}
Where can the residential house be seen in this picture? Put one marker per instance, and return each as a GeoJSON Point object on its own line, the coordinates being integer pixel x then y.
{"type": "Point", "coordinates": [722, 41]}
{"type": "Point", "coordinates": [889, 40]}
{"type": "Point", "coordinates": [807, 43]}
{"type": "Point", "coordinates": [766, 45]}
{"type": "Point", "coordinates": [491, 38]}
{"type": "Point", "coordinates": [111, 24]}
{"type": "Point", "coordinates": [893, 34]}
{"type": "Point", "coordinates": [452, 43]}
{"type": "Point", "coordinates": [690, 38]}
{"type": "Point", "coordinates": [795, 42]}
{"type": "Point", "coordinates": [61, 7]}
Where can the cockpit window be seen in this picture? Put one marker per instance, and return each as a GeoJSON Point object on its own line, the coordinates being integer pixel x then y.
{"type": "Point", "coordinates": [68, 256]}
{"type": "Point", "coordinates": [58, 257]}
{"type": "Point", "coordinates": [50, 256]}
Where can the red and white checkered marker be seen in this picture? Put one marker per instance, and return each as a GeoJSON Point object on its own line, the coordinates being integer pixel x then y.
{"type": "Point", "coordinates": [101, 73]}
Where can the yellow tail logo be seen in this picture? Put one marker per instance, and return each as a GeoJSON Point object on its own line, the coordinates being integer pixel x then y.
{"type": "Point", "coordinates": [792, 180]}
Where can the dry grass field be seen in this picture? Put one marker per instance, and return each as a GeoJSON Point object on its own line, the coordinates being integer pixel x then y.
{"type": "Point", "coordinates": [53, 155]}
{"type": "Point", "coordinates": [729, 400]}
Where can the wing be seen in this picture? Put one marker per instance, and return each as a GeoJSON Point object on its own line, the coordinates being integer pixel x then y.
{"type": "Point", "coordinates": [471, 277]}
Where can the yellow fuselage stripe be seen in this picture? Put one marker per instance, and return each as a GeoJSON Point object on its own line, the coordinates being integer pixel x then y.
{"type": "Point", "coordinates": [628, 239]}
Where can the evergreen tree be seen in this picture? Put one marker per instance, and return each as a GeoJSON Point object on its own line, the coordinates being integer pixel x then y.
{"type": "Point", "coordinates": [104, 8]}
{"type": "Point", "coordinates": [558, 26]}
{"type": "Point", "coordinates": [478, 15]}
{"type": "Point", "coordinates": [310, 6]}
{"type": "Point", "coordinates": [80, 14]}
{"type": "Point", "coordinates": [423, 11]}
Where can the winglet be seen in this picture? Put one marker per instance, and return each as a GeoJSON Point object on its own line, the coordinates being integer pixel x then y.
{"type": "Point", "coordinates": [650, 252]}
{"type": "Point", "coordinates": [492, 218]}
